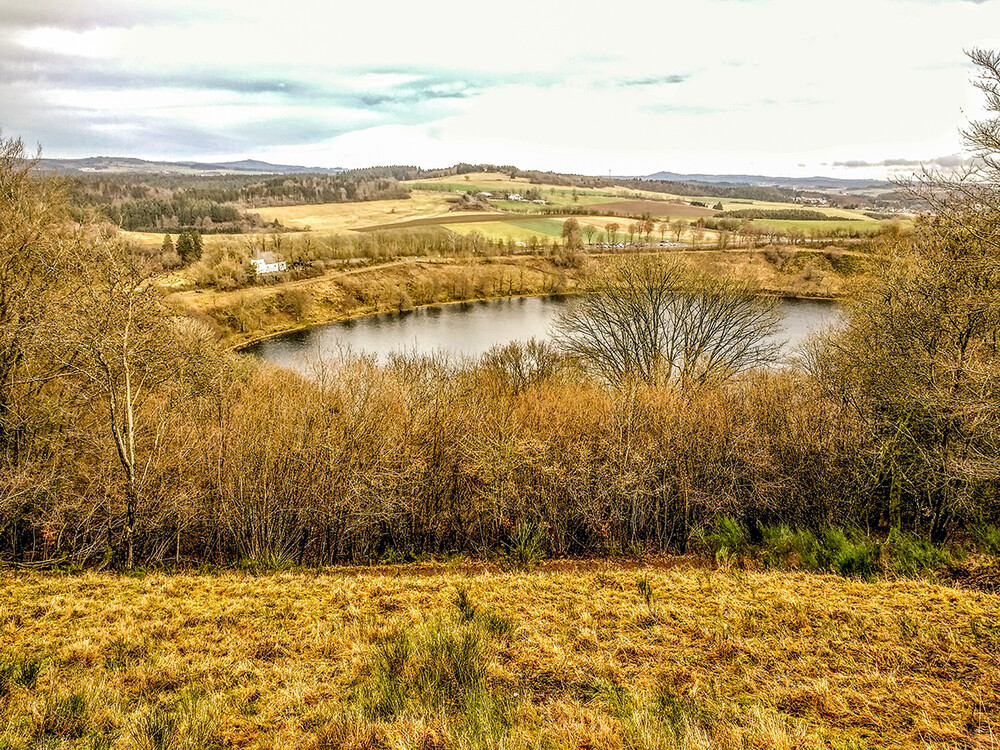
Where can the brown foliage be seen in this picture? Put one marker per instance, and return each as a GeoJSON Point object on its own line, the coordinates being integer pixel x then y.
{"type": "Point", "coordinates": [423, 456]}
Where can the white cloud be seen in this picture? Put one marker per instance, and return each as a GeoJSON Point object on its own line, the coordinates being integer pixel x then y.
{"type": "Point", "coordinates": [777, 86]}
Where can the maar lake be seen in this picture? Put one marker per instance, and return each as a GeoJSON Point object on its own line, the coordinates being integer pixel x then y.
{"type": "Point", "coordinates": [468, 329]}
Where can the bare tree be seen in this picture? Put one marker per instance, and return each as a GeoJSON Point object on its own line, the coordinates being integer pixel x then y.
{"type": "Point", "coordinates": [125, 349]}
{"type": "Point", "coordinates": [678, 226]}
{"type": "Point", "coordinates": [655, 322]}
{"type": "Point", "coordinates": [647, 225]}
{"type": "Point", "coordinates": [571, 232]}
{"type": "Point", "coordinates": [33, 283]}
{"type": "Point", "coordinates": [613, 233]}
{"type": "Point", "coordinates": [918, 358]}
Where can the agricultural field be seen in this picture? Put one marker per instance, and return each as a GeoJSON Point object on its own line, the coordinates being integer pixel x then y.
{"type": "Point", "coordinates": [340, 217]}
{"type": "Point", "coordinates": [658, 209]}
{"type": "Point", "coordinates": [518, 231]}
{"type": "Point", "coordinates": [729, 204]}
{"type": "Point", "coordinates": [823, 227]}
{"type": "Point", "coordinates": [554, 201]}
{"type": "Point", "coordinates": [571, 655]}
{"type": "Point", "coordinates": [430, 201]}
{"type": "Point", "coordinates": [558, 195]}
{"type": "Point", "coordinates": [620, 200]}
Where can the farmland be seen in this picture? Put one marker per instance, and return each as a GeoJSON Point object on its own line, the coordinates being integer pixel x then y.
{"type": "Point", "coordinates": [431, 202]}
{"type": "Point", "coordinates": [519, 231]}
{"type": "Point", "coordinates": [340, 217]}
{"type": "Point", "coordinates": [572, 655]}
{"type": "Point", "coordinates": [822, 227]}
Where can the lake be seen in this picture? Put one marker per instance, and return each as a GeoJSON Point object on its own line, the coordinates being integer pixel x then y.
{"type": "Point", "coordinates": [470, 329]}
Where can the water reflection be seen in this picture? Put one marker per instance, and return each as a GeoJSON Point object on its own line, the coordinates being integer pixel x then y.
{"type": "Point", "coordinates": [471, 328]}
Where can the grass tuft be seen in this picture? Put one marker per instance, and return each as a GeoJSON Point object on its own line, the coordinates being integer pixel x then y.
{"type": "Point", "coordinates": [914, 556]}
{"type": "Point", "coordinates": [727, 541]}
{"type": "Point", "coordinates": [121, 654]}
{"type": "Point", "coordinates": [267, 562]}
{"type": "Point", "coordinates": [63, 716]}
{"type": "Point", "coordinates": [989, 537]}
{"type": "Point", "coordinates": [19, 671]}
{"type": "Point", "coordinates": [646, 591]}
{"type": "Point", "coordinates": [188, 724]}
{"type": "Point", "coordinates": [783, 547]}
{"type": "Point", "coordinates": [527, 545]}
{"type": "Point", "coordinates": [466, 609]}
{"type": "Point", "coordinates": [849, 554]}
{"type": "Point", "coordinates": [156, 729]}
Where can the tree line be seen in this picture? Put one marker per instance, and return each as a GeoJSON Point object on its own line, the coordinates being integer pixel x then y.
{"type": "Point", "coordinates": [154, 203]}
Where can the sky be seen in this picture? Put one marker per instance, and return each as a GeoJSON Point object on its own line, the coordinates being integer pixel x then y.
{"type": "Point", "coordinates": [844, 88]}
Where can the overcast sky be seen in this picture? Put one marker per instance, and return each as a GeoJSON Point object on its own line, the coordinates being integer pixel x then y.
{"type": "Point", "coordinates": [790, 87]}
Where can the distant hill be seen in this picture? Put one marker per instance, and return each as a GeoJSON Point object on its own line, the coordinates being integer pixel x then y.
{"type": "Point", "coordinates": [126, 165]}
{"type": "Point", "coordinates": [794, 183]}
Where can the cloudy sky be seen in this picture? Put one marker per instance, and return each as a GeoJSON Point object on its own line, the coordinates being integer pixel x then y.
{"type": "Point", "coordinates": [790, 87]}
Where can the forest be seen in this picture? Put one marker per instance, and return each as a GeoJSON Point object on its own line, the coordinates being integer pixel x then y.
{"type": "Point", "coordinates": [216, 204]}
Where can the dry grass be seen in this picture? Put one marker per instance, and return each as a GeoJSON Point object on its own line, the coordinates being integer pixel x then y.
{"type": "Point", "coordinates": [339, 217]}
{"type": "Point", "coordinates": [560, 658]}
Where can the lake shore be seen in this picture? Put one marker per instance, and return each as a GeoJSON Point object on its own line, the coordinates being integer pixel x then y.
{"type": "Point", "coordinates": [247, 316]}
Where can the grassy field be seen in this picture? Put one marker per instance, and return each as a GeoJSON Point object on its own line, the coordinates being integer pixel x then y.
{"type": "Point", "coordinates": [340, 217]}
{"type": "Point", "coordinates": [456, 656]}
{"type": "Point", "coordinates": [429, 207]}
{"type": "Point", "coordinates": [807, 226]}
{"type": "Point", "coordinates": [659, 204]}
{"type": "Point", "coordinates": [518, 230]}
{"type": "Point", "coordinates": [555, 200]}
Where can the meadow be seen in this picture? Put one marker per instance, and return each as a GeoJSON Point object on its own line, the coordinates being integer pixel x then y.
{"type": "Point", "coordinates": [339, 217]}
{"type": "Point", "coordinates": [461, 655]}
{"type": "Point", "coordinates": [430, 201]}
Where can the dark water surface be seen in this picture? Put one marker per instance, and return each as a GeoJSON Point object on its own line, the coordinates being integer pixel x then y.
{"type": "Point", "coordinates": [471, 328]}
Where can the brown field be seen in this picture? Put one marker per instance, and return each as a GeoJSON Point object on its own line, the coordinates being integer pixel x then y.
{"type": "Point", "coordinates": [459, 657]}
{"type": "Point", "coordinates": [453, 217]}
{"type": "Point", "coordinates": [657, 209]}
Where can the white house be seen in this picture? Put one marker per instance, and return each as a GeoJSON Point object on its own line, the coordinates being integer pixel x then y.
{"type": "Point", "coordinates": [268, 263]}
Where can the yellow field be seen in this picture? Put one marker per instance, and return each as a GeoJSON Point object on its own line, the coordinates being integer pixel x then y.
{"type": "Point", "coordinates": [148, 240]}
{"type": "Point", "coordinates": [457, 657]}
{"type": "Point", "coordinates": [340, 217]}
{"type": "Point", "coordinates": [740, 205]}
{"type": "Point", "coordinates": [499, 230]}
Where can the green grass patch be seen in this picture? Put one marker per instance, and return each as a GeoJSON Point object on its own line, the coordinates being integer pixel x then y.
{"type": "Point", "coordinates": [847, 552]}
{"type": "Point", "coordinates": [518, 231]}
